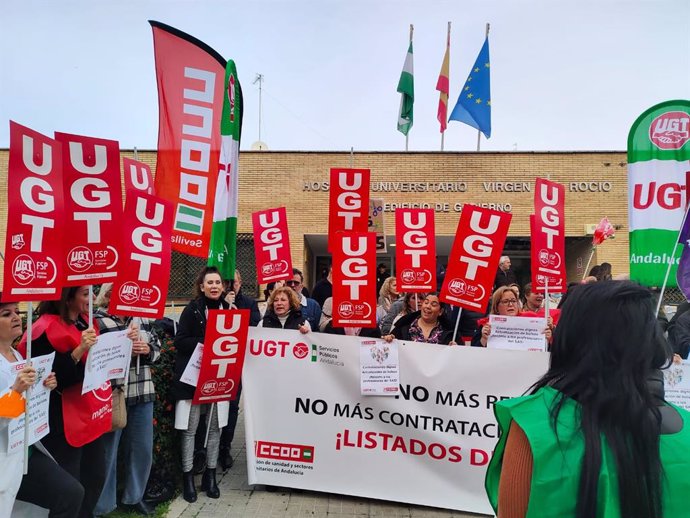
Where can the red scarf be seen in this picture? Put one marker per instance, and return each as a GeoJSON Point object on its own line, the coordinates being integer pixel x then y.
{"type": "Point", "coordinates": [86, 416]}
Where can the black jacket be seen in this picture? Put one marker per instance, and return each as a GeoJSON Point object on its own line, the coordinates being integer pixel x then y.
{"type": "Point", "coordinates": [679, 334]}
{"type": "Point", "coordinates": [244, 302]}
{"type": "Point", "coordinates": [402, 327]}
{"type": "Point", "coordinates": [190, 331]}
{"type": "Point", "coordinates": [294, 320]}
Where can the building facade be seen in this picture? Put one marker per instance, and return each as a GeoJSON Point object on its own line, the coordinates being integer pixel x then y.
{"type": "Point", "coordinates": [595, 186]}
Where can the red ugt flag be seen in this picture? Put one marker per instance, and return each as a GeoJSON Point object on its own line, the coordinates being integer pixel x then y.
{"type": "Point", "coordinates": [548, 236]}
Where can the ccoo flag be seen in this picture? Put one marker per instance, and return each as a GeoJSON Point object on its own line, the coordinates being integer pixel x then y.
{"type": "Point", "coordinates": [224, 232]}
{"type": "Point", "coordinates": [474, 103]}
{"type": "Point", "coordinates": [442, 86]}
{"type": "Point", "coordinates": [406, 89]}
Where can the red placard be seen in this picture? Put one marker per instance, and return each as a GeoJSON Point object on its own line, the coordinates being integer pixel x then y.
{"type": "Point", "coordinates": [225, 345]}
{"type": "Point", "coordinates": [354, 279]}
{"type": "Point", "coordinates": [415, 254]}
{"type": "Point", "coordinates": [190, 77]}
{"type": "Point", "coordinates": [142, 284]}
{"type": "Point", "coordinates": [348, 202]}
{"type": "Point", "coordinates": [35, 213]}
{"type": "Point", "coordinates": [548, 237]}
{"type": "Point", "coordinates": [93, 206]}
{"type": "Point", "coordinates": [474, 257]}
{"type": "Point", "coordinates": [272, 245]}
{"type": "Point", "coordinates": [138, 176]}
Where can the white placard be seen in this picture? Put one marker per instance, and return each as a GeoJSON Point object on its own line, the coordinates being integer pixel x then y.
{"type": "Point", "coordinates": [309, 427]}
{"type": "Point", "coordinates": [38, 405]}
{"type": "Point", "coordinates": [190, 376]}
{"type": "Point", "coordinates": [677, 384]}
{"type": "Point", "coordinates": [516, 333]}
{"type": "Point", "coordinates": [380, 371]}
{"type": "Point", "coordinates": [108, 359]}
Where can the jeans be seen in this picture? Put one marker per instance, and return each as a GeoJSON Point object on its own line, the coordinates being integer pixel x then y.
{"type": "Point", "coordinates": [189, 434]}
{"type": "Point", "coordinates": [136, 440]}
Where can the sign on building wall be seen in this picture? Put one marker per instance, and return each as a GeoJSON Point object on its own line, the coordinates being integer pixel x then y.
{"type": "Point", "coordinates": [658, 160]}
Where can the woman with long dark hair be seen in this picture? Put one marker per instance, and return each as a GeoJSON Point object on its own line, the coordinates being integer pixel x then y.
{"type": "Point", "coordinates": [595, 439]}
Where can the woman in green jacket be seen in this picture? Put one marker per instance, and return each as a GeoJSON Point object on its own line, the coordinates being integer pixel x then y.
{"type": "Point", "coordinates": [595, 439]}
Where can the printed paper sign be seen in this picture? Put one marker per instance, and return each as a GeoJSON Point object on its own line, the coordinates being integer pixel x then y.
{"type": "Point", "coordinates": [517, 333]}
{"type": "Point", "coordinates": [272, 245]}
{"type": "Point", "coordinates": [416, 250]}
{"type": "Point", "coordinates": [354, 279]}
{"type": "Point", "coordinates": [138, 177]}
{"type": "Point", "coordinates": [548, 237]}
{"type": "Point", "coordinates": [677, 384]}
{"type": "Point", "coordinates": [34, 254]}
{"type": "Point", "coordinates": [221, 364]}
{"type": "Point", "coordinates": [108, 359]}
{"type": "Point", "coordinates": [38, 405]}
{"type": "Point", "coordinates": [473, 260]}
{"type": "Point", "coordinates": [141, 287]}
{"type": "Point", "coordinates": [190, 376]}
{"type": "Point", "coordinates": [348, 202]}
{"type": "Point", "coordinates": [307, 422]}
{"type": "Point", "coordinates": [93, 206]}
{"type": "Point", "coordinates": [380, 370]}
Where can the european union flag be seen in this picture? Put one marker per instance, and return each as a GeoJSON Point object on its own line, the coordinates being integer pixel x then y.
{"type": "Point", "coordinates": [474, 104]}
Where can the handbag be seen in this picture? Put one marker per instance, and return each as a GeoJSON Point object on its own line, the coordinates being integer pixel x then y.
{"type": "Point", "coordinates": [119, 407]}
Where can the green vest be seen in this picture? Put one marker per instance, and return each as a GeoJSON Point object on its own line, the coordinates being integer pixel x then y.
{"type": "Point", "coordinates": [558, 462]}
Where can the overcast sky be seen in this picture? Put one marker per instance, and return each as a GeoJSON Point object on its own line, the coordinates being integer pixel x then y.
{"type": "Point", "coordinates": [565, 74]}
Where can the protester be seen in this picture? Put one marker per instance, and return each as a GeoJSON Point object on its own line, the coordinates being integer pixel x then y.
{"type": "Point", "coordinates": [267, 293]}
{"type": "Point", "coordinates": [326, 325]}
{"type": "Point", "coordinates": [381, 275]}
{"type": "Point", "coordinates": [239, 300]}
{"type": "Point", "coordinates": [427, 325]}
{"type": "Point", "coordinates": [594, 437]}
{"type": "Point", "coordinates": [310, 308]}
{"type": "Point", "coordinates": [533, 299]}
{"type": "Point", "coordinates": [208, 293]}
{"type": "Point", "coordinates": [409, 303]}
{"type": "Point", "coordinates": [324, 288]}
{"type": "Point", "coordinates": [679, 331]}
{"type": "Point", "coordinates": [604, 273]}
{"type": "Point", "coordinates": [516, 288]}
{"type": "Point", "coordinates": [137, 436]}
{"type": "Point", "coordinates": [63, 327]}
{"type": "Point", "coordinates": [504, 275]}
{"type": "Point", "coordinates": [284, 311]}
{"type": "Point", "coordinates": [387, 295]}
{"type": "Point", "coordinates": [63, 498]}
{"type": "Point", "coordinates": [503, 302]}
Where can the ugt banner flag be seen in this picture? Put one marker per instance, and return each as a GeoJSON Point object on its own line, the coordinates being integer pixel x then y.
{"type": "Point", "coordinates": [224, 233]}
{"type": "Point", "coordinates": [548, 237]}
{"type": "Point", "coordinates": [658, 159]}
{"type": "Point", "coordinates": [190, 77]}
{"type": "Point", "coordinates": [34, 253]}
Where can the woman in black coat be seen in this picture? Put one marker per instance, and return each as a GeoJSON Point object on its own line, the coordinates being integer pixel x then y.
{"type": "Point", "coordinates": [427, 325]}
{"type": "Point", "coordinates": [283, 311]}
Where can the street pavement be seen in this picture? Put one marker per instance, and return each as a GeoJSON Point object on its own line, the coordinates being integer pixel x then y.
{"type": "Point", "coordinates": [239, 499]}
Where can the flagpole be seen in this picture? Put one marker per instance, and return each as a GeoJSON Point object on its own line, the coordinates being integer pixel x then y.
{"type": "Point", "coordinates": [27, 394]}
{"type": "Point", "coordinates": [407, 135]}
{"type": "Point", "coordinates": [479, 133]}
{"type": "Point", "coordinates": [443, 133]}
{"type": "Point", "coordinates": [352, 157]}
{"type": "Point", "coordinates": [675, 247]}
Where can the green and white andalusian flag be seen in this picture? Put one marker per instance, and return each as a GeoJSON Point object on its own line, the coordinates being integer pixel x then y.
{"type": "Point", "coordinates": [224, 233]}
{"type": "Point", "coordinates": [406, 89]}
{"type": "Point", "coordinates": [658, 190]}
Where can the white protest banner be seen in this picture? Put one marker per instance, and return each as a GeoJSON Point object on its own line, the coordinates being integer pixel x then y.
{"type": "Point", "coordinates": [308, 426]}
{"type": "Point", "coordinates": [677, 384]}
{"type": "Point", "coordinates": [380, 374]}
{"type": "Point", "coordinates": [108, 359]}
{"type": "Point", "coordinates": [190, 376]}
{"type": "Point", "coordinates": [38, 405]}
{"type": "Point", "coordinates": [516, 333]}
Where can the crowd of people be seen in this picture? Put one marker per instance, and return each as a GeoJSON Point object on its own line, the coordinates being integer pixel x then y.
{"type": "Point", "coordinates": [587, 362]}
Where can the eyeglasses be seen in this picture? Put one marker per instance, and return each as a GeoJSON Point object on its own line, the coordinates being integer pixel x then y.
{"type": "Point", "coordinates": [509, 302]}
{"type": "Point", "coordinates": [292, 283]}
